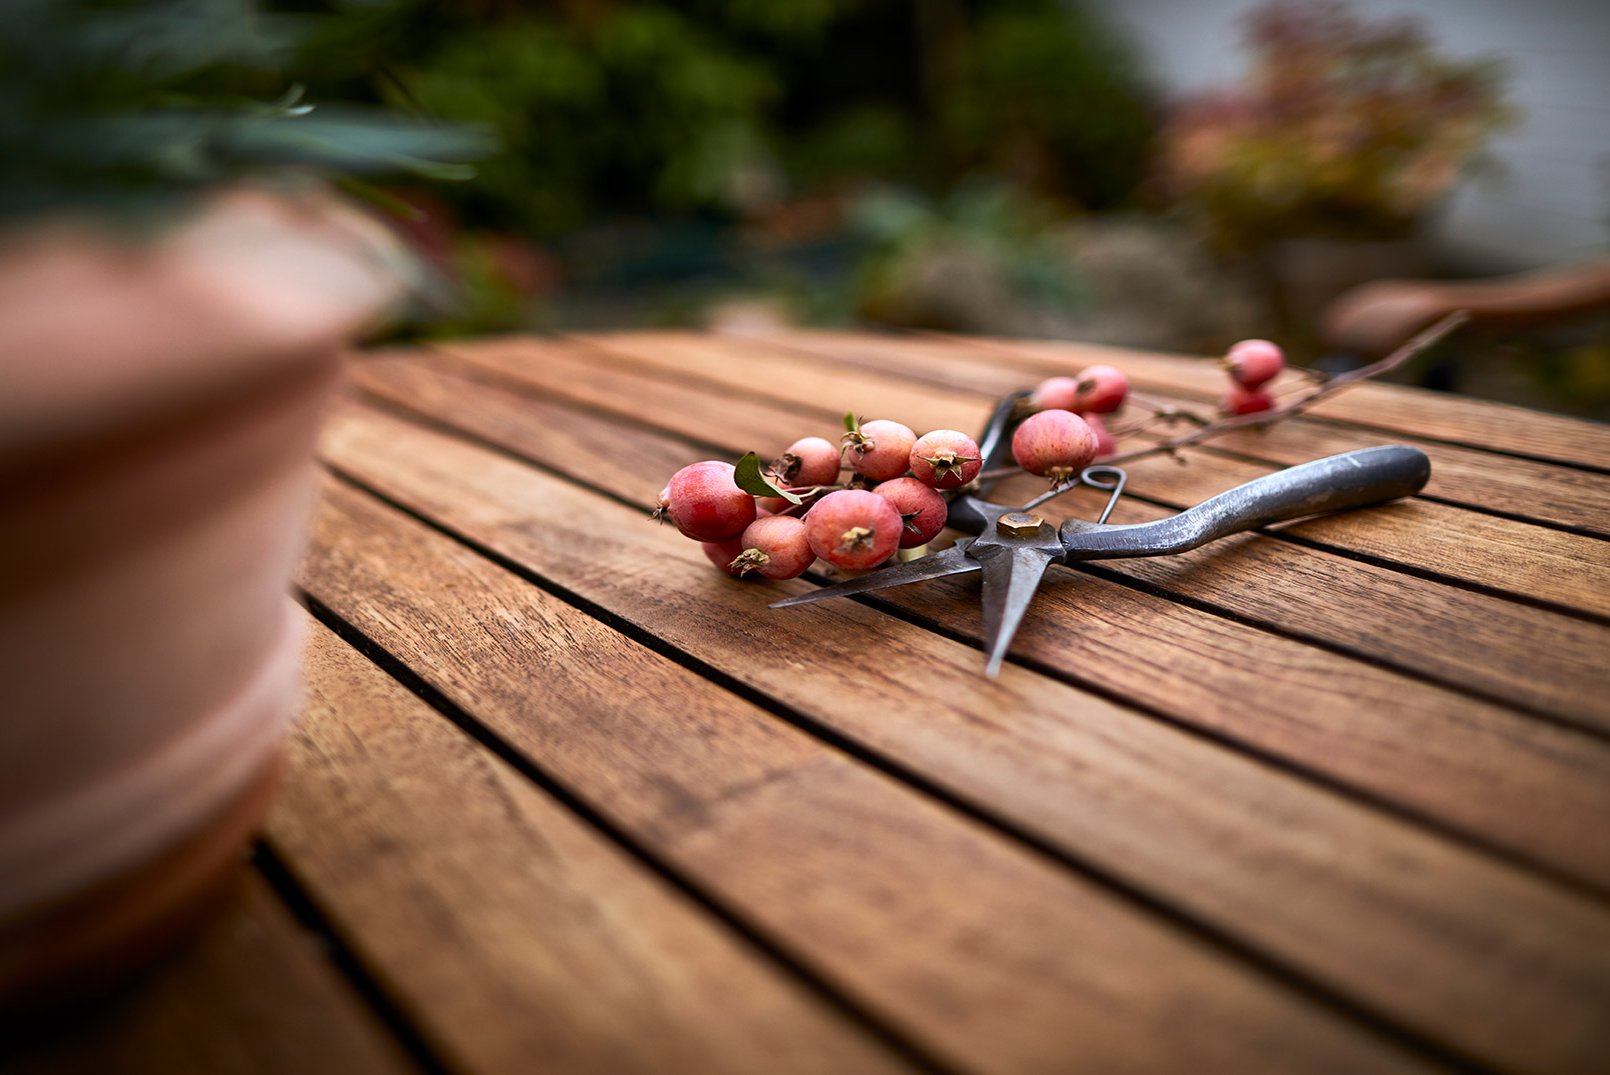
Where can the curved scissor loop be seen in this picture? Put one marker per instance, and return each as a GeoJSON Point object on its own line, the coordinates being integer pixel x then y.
{"type": "Point", "coordinates": [1117, 479]}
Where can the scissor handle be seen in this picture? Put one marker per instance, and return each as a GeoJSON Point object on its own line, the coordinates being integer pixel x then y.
{"type": "Point", "coordinates": [1336, 483]}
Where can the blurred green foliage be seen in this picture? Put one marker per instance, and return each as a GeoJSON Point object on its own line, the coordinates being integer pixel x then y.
{"type": "Point", "coordinates": [622, 107]}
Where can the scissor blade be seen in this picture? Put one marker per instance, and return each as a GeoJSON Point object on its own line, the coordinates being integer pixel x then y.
{"type": "Point", "coordinates": [952, 561]}
{"type": "Point", "coordinates": [1011, 575]}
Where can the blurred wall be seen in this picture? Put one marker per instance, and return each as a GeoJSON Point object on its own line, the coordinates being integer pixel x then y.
{"type": "Point", "coordinates": [1550, 201]}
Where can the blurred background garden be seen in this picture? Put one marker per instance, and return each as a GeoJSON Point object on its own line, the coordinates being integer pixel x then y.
{"type": "Point", "coordinates": [1157, 173]}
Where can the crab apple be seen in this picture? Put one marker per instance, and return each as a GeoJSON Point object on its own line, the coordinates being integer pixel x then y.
{"type": "Point", "coordinates": [1101, 390]}
{"type": "Point", "coordinates": [1106, 443]}
{"type": "Point", "coordinates": [1054, 444]}
{"type": "Point", "coordinates": [706, 503]}
{"type": "Point", "coordinates": [853, 528]}
{"type": "Point", "coordinates": [945, 459]}
{"type": "Point", "coordinates": [1054, 393]}
{"type": "Point", "coordinates": [776, 547]}
{"type": "Point", "coordinates": [771, 505]}
{"type": "Point", "coordinates": [1252, 363]}
{"type": "Point", "coordinates": [922, 510]}
{"type": "Point", "coordinates": [808, 461]}
{"type": "Point", "coordinates": [880, 449]}
{"type": "Point", "coordinates": [723, 553]}
{"type": "Point", "coordinates": [1243, 400]}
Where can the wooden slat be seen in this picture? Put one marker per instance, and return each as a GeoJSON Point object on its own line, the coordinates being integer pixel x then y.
{"type": "Point", "coordinates": [1467, 546]}
{"type": "Point", "coordinates": [253, 995]}
{"type": "Point", "coordinates": [1531, 657]}
{"type": "Point", "coordinates": [1494, 427]}
{"type": "Point", "coordinates": [1510, 973]}
{"type": "Point", "coordinates": [960, 937]}
{"type": "Point", "coordinates": [513, 934]}
{"type": "Point", "coordinates": [1503, 778]}
{"type": "Point", "coordinates": [1555, 495]}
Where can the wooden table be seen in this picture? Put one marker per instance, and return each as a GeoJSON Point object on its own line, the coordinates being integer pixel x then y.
{"type": "Point", "coordinates": [1331, 798]}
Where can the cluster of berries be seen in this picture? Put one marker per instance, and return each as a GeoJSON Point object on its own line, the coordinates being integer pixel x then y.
{"type": "Point", "coordinates": [777, 521]}
{"type": "Point", "coordinates": [890, 501]}
{"type": "Point", "coordinates": [1251, 365]}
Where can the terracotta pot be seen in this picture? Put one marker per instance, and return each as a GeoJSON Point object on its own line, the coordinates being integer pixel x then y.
{"type": "Point", "coordinates": [158, 410]}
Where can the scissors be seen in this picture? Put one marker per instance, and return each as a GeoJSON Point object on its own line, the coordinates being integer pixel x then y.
{"type": "Point", "coordinates": [1013, 546]}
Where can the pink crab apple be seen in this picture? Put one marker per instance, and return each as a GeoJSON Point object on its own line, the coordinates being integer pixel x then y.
{"type": "Point", "coordinates": [723, 553]}
{"type": "Point", "coordinates": [1054, 393]}
{"type": "Point", "coordinates": [1106, 443]}
{"type": "Point", "coordinates": [880, 449]}
{"type": "Point", "coordinates": [1054, 444]}
{"type": "Point", "coordinates": [1253, 363]}
{"type": "Point", "coordinates": [808, 461]}
{"type": "Point", "coordinates": [853, 528]}
{"type": "Point", "coordinates": [776, 547]}
{"type": "Point", "coordinates": [705, 502]}
{"type": "Point", "coordinates": [1243, 400]}
{"type": "Point", "coordinates": [1101, 390]}
{"type": "Point", "coordinates": [945, 459]}
{"type": "Point", "coordinates": [922, 510]}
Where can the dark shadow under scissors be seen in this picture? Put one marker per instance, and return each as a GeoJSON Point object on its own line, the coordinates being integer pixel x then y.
{"type": "Point", "coordinates": [1014, 547]}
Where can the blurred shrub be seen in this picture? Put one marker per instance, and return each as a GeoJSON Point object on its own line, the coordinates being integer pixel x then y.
{"type": "Point", "coordinates": [1343, 127]}
{"type": "Point", "coordinates": [620, 107]}
{"type": "Point", "coordinates": [642, 108]}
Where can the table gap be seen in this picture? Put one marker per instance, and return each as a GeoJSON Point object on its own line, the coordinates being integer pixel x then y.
{"type": "Point", "coordinates": [282, 881]}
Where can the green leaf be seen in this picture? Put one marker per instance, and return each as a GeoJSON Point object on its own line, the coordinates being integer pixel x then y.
{"type": "Point", "coordinates": [850, 424]}
{"type": "Point", "coordinates": [752, 480]}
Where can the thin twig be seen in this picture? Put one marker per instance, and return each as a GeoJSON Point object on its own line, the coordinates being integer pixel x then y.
{"type": "Point", "coordinates": [1327, 388]}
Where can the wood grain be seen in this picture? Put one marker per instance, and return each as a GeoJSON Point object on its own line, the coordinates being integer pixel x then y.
{"type": "Point", "coordinates": [1518, 654]}
{"type": "Point", "coordinates": [507, 929]}
{"type": "Point", "coordinates": [1499, 777]}
{"type": "Point", "coordinates": [958, 936]}
{"type": "Point", "coordinates": [252, 995]}
{"type": "Point", "coordinates": [1511, 973]}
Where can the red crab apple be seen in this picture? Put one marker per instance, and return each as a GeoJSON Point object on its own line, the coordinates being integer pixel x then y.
{"type": "Point", "coordinates": [723, 553]}
{"type": "Point", "coordinates": [1243, 400]}
{"type": "Point", "coordinates": [1252, 363]}
{"type": "Point", "coordinates": [705, 502]}
{"type": "Point", "coordinates": [1054, 393]}
{"type": "Point", "coordinates": [945, 459]}
{"type": "Point", "coordinates": [853, 528]}
{"type": "Point", "coordinates": [776, 547]}
{"type": "Point", "coordinates": [922, 510]}
{"type": "Point", "coordinates": [1101, 390]}
{"type": "Point", "coordinates": [880, 449]}
{"type": "Point", "coordinates": [1054, 444]}
{"type": "Point", "coordinates": [808, 461]}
